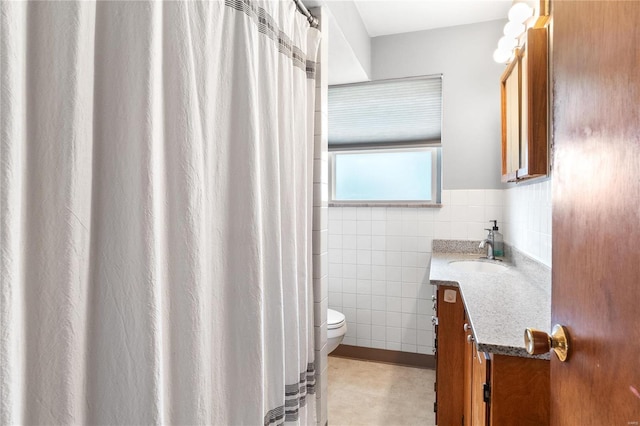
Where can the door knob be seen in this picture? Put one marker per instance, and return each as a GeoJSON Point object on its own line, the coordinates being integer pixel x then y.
{"type": "Point", "coordinates": [538, 342]}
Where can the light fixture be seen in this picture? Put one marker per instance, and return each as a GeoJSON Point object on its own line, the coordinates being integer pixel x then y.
{"type": "Point", "coordinates": [519, 20]}
{"type": "Point", "coordinates": [520, 12]}
{"type": "Point", "coordinates": [519, 15]}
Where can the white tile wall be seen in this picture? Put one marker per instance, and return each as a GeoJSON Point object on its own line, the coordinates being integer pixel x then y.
{"type": "Point", "coordinates": [379, 265]}
{"type": "Point", "coordinates": [528, 219]}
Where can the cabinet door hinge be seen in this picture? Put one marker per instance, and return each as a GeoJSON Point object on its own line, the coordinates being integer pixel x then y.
{"type": "Point", "coordinates": [486, 393]}
{"type": "Point", "coordinates": [435, 386]}
{"type": "Point", "coordinates": [435, 343]}
{"type": "Point", "coordinates": [435, 407]}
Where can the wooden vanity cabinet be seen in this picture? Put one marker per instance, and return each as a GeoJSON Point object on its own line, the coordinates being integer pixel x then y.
{"type": "Point", "coordinates": [468, 376]}
{"type": "Point", "coordinates": [479, 389]}
{"type": "Point", "coordinates": [476, 382]}
{"type": "Point", "coordinates": [519, 391]}
{"type": "Point", "coordinates": [506, 390]}
{"type": "Point", "coordinates": [524, 105]}
{"type": "Point", "coordinates": [451, 342]}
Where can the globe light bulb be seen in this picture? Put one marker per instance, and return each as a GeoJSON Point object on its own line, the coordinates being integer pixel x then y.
{"type": "Point", "coordinates": [513, 29]}
{"type": "Point", "coordinates": [520, 12]}
{"type": "Point", "coordinates": [507, 43]}
{"type": "Point", "coordinates": [502, 56]}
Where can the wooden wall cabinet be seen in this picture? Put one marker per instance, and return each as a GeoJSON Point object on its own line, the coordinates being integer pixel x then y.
{"type": "Point", "coordinates": [480, 389]}
{"type": "Point", "coordinates": [524, 104]}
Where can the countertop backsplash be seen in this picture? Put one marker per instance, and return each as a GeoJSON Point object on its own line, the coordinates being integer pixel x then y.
{"type": "Point", "coordinates": [538, 271]}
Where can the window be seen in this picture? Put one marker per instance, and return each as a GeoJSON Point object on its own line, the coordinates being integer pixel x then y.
{"type": "Point", "coordinates": [385, 175]}
{"type": "Point", "coordinates": [384, 141]}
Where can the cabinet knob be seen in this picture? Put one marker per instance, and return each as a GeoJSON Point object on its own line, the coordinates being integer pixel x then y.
{"type": "Point", "coordinates": [470, 338]}
{"type": "Point", "coordinates": [433, 298]}
{"type": "Point", "coordinates": [466, 327]}
{"type": "Point", "coordinates": [538, 342]}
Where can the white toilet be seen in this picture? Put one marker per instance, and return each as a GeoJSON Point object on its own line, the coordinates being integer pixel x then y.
{"type": "Point", "coordinates": [336, 329]}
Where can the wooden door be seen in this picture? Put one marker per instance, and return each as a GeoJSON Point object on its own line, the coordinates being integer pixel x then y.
{"type": "Point", "coordinates": [596, 211]}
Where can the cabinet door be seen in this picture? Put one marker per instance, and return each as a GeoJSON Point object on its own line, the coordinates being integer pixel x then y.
{"type": "Point", "coordinates": [519, 391]}
{"type": "Point", "coordinates": [525, 110]}
{"type": "Point", "coordinates": [468, 373]}
{"type": "Point", "coordinates": [450, 340]}
{"type": "Point", "coordinates": [480, 379]}
{"type": "Point", "coordinates": [534, 106]}
{"type": "Point", "coordinates": [525, 98]}
{"type": "Point", "coordinates": [510, 92]}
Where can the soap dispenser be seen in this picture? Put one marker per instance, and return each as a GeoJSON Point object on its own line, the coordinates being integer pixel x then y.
{"type": "Point", "coordinates": [498, 243]}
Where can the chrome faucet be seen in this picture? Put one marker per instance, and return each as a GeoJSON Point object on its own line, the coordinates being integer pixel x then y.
{"type": "Point", "coordinates": [489, 243]}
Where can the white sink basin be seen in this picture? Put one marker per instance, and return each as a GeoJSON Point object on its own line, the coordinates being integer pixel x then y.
{"type": "Point", "coordinates": [477, 266]}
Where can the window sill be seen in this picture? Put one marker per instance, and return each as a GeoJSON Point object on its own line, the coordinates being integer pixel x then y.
{"type": "Point", "coordinates": [382, 204]}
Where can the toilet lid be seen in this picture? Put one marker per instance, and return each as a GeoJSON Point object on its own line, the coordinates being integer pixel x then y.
{"type": "Point", "coordinates": [335, 319]}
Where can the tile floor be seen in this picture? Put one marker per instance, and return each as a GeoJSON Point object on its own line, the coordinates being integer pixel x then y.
{"type": "Point", "coordinates": [372, 393]}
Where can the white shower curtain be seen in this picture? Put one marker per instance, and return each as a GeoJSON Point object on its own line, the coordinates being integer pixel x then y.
{"type": "Point", "coordinates": [155, 213]}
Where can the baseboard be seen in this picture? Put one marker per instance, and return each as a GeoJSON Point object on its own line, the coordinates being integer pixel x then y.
{"type": "Point", "coordinates": [382, 355]}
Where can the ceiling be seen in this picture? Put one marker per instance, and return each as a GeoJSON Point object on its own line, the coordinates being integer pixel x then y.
{"type": "Point", "coordinates": [353, 23]}
{"type": "Point", "coordinates": [403, 16]}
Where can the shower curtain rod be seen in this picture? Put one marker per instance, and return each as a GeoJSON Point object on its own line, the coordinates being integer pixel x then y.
{"type": "Point", "coordinates": [313, 21]}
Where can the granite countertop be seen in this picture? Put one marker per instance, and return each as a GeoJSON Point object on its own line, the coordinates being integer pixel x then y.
{"type": "Point", "coordinates": [499, 305]}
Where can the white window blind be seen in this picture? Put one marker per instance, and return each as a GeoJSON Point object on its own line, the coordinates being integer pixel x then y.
{"type": "Point", "coordinates": [386, 113]}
